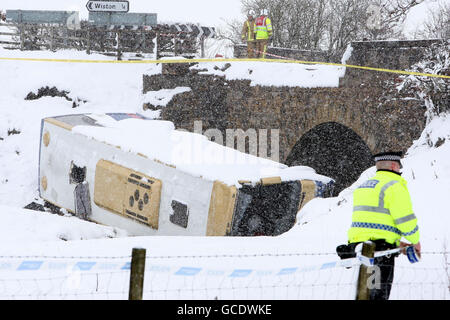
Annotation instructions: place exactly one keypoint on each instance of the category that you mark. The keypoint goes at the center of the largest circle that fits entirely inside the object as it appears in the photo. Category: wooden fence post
(143, 43)
(157, 47)
(137, 274)
(119, 52)
(88, 33)
(52, 35)
(22, 36)
(65, 36)
(363, 292)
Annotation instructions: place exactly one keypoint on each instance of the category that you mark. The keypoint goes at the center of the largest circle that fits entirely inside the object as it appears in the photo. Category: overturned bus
(143, 176)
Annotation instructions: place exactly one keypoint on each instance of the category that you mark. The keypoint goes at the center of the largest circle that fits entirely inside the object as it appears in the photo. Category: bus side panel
(222, 204)
(67, 150)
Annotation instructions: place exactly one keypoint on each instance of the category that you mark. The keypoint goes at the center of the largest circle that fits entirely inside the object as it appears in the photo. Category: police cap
(388, 156)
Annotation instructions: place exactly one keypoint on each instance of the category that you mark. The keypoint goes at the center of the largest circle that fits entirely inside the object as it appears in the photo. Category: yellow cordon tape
(232, 60)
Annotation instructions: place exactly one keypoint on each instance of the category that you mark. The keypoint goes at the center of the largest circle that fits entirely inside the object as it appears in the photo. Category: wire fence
(162, 40)
(269, 276)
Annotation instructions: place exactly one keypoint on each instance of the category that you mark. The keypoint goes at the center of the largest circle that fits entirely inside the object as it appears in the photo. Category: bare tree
(231, 31)
(438, 24)
(434, 92)
(306, 23)
(345, 21)
(332, 24)
(388, 16)
(350, 20)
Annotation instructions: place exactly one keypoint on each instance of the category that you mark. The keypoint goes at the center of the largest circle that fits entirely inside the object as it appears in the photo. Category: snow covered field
(50, 256)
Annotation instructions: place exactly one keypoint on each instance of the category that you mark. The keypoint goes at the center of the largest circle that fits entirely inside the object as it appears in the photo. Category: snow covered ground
(50, 256)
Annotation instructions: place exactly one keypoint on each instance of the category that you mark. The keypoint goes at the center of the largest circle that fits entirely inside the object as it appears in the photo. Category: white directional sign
(108, 6)
(200, 33)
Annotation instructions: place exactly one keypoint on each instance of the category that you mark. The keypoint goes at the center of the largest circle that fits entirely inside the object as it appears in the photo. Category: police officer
(383, 214)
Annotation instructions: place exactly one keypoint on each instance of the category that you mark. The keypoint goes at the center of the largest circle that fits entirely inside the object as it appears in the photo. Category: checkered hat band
(388, 158)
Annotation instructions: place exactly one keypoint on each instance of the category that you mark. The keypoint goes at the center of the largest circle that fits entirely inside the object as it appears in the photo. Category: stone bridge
(333, 130)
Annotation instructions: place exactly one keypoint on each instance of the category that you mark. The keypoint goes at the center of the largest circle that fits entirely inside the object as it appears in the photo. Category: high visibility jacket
(263, 28)
(382, 209)
(248, 31)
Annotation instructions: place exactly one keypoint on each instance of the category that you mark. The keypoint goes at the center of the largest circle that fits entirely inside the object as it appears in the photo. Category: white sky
(207, 12)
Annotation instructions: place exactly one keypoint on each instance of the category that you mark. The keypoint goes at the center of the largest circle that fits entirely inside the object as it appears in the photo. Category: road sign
(194, 30)
(200, 33)
(70, 18)
(108, 6)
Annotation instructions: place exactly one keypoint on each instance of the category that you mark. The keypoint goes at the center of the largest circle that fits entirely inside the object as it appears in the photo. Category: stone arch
(334, 150)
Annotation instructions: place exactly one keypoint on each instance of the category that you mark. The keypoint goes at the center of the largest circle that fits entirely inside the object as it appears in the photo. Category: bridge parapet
(393, 55)
(240, 51)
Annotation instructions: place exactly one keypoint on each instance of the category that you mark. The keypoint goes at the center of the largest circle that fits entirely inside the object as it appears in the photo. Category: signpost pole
(202, 46)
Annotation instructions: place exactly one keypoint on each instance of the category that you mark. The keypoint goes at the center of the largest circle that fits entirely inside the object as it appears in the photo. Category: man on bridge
(248, 33)
(264, 31)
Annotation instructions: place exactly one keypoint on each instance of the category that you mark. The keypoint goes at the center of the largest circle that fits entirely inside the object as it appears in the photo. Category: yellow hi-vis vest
(382, 209)
(263, 28)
